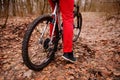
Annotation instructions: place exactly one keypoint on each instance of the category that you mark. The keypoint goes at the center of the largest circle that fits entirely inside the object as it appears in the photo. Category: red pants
(66, 8)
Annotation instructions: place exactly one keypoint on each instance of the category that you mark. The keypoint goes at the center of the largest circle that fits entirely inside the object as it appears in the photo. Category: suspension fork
(54, 22)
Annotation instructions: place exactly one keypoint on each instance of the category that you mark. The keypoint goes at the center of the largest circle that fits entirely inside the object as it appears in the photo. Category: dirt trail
(97, 52)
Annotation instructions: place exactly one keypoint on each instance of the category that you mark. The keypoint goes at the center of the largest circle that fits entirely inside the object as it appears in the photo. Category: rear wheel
(36, 51)
(77, 25)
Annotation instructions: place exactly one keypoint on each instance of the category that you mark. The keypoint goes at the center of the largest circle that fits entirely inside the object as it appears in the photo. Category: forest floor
(97, 51)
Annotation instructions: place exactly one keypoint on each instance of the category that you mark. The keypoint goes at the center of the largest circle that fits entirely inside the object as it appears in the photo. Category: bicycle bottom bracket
(46, 43)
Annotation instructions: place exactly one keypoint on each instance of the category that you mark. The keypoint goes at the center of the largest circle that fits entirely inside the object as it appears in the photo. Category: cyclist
(66, 8)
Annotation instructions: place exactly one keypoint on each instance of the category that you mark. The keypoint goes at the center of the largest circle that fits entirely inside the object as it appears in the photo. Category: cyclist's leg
(66, 7)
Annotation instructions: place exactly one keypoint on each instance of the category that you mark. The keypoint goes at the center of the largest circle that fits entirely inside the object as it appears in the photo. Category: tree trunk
(42, 11)
(29, 7)
(0, 8)
(14, 9)
(6, 12)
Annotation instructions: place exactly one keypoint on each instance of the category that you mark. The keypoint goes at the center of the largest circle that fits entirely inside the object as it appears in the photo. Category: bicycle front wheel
(36, 52)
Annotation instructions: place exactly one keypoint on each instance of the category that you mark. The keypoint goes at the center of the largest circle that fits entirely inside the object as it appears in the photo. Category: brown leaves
(71, 66)
(60, 77)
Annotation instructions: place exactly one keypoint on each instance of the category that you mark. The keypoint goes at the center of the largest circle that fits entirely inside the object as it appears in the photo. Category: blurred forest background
(38, 7)
(23, 8)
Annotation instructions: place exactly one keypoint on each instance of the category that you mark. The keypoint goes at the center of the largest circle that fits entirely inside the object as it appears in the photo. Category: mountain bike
(38, 48)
